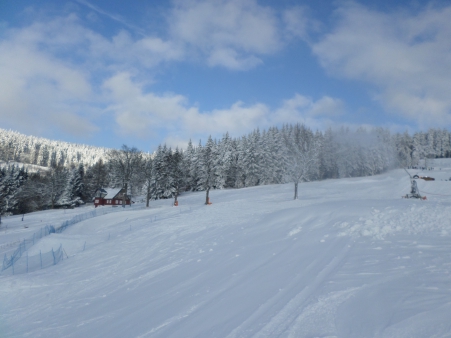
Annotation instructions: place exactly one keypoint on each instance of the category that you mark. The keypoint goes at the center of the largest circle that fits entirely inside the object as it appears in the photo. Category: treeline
(57, 187)
(293, 153)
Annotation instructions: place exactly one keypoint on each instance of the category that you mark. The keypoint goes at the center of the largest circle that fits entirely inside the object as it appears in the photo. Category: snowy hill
(17, 147)
(350, 258)
(31, 168)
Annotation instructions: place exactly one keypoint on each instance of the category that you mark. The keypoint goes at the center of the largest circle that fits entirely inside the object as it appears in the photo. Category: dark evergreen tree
(12, 178)
(149, 181)
(177, 174)
(207, 169)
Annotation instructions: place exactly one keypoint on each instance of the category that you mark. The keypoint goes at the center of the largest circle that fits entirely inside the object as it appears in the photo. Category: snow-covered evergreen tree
(72, 195)
(207, 168)
(149, 181)
(12, 178)
(251, 161)
(177, 173)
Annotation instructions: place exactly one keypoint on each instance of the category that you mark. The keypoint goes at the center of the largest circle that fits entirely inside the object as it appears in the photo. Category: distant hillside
(31, 168)
(43, 152)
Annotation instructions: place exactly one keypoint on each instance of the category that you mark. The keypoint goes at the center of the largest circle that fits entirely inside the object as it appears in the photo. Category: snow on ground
(350, 258)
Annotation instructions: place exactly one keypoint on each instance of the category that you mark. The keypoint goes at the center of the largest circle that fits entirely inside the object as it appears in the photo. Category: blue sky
(141, 73)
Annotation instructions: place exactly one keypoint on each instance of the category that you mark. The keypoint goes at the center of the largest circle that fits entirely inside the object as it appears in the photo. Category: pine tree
(149, 182)
(206, 168)
(12, 178)
(72, 196)
(177, 174)
(251, 160)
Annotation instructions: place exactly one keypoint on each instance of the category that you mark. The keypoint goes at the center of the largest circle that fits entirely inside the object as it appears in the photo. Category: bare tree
(96, 177)
(302, 154)
(56, 179)
(124, 164)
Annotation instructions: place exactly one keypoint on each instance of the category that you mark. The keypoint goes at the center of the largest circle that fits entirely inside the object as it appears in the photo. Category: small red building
(113, 197)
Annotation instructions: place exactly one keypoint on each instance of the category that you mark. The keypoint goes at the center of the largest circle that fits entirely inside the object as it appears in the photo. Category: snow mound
(415, 218)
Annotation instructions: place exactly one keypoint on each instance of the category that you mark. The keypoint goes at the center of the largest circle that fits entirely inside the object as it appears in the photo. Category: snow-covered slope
(350, 258)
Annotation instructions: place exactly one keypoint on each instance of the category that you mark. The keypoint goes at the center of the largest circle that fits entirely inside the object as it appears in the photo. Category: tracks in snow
(278, 315)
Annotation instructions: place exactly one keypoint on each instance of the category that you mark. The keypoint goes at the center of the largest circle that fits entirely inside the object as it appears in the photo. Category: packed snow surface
(349, 258)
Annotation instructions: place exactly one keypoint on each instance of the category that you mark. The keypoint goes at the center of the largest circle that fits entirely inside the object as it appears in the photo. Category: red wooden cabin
(113, 197)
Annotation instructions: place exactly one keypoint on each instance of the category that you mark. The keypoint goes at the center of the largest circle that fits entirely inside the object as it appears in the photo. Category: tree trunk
(296, 190)
(148, 196)
(124, 195)
(176, 203)
(207, 198)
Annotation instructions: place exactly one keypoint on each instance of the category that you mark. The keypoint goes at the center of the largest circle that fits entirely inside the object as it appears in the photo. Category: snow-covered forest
(293, 153)
(18, 147)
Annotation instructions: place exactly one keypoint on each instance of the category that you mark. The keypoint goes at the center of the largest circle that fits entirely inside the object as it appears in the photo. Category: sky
(144, 73)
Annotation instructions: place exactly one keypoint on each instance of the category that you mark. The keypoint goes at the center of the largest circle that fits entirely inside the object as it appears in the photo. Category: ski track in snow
(350, 258)
(285, 318)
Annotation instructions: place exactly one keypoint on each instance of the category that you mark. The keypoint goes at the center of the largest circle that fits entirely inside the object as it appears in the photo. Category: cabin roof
(111, 192)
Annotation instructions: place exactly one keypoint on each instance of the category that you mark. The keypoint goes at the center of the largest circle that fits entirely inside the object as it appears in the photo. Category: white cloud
(142, 114)
(49, 70)
(315, 114)
(229, 58)
(299, 23)
(230, 33)
(60, 75)
(38, 90)
(406, 56)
